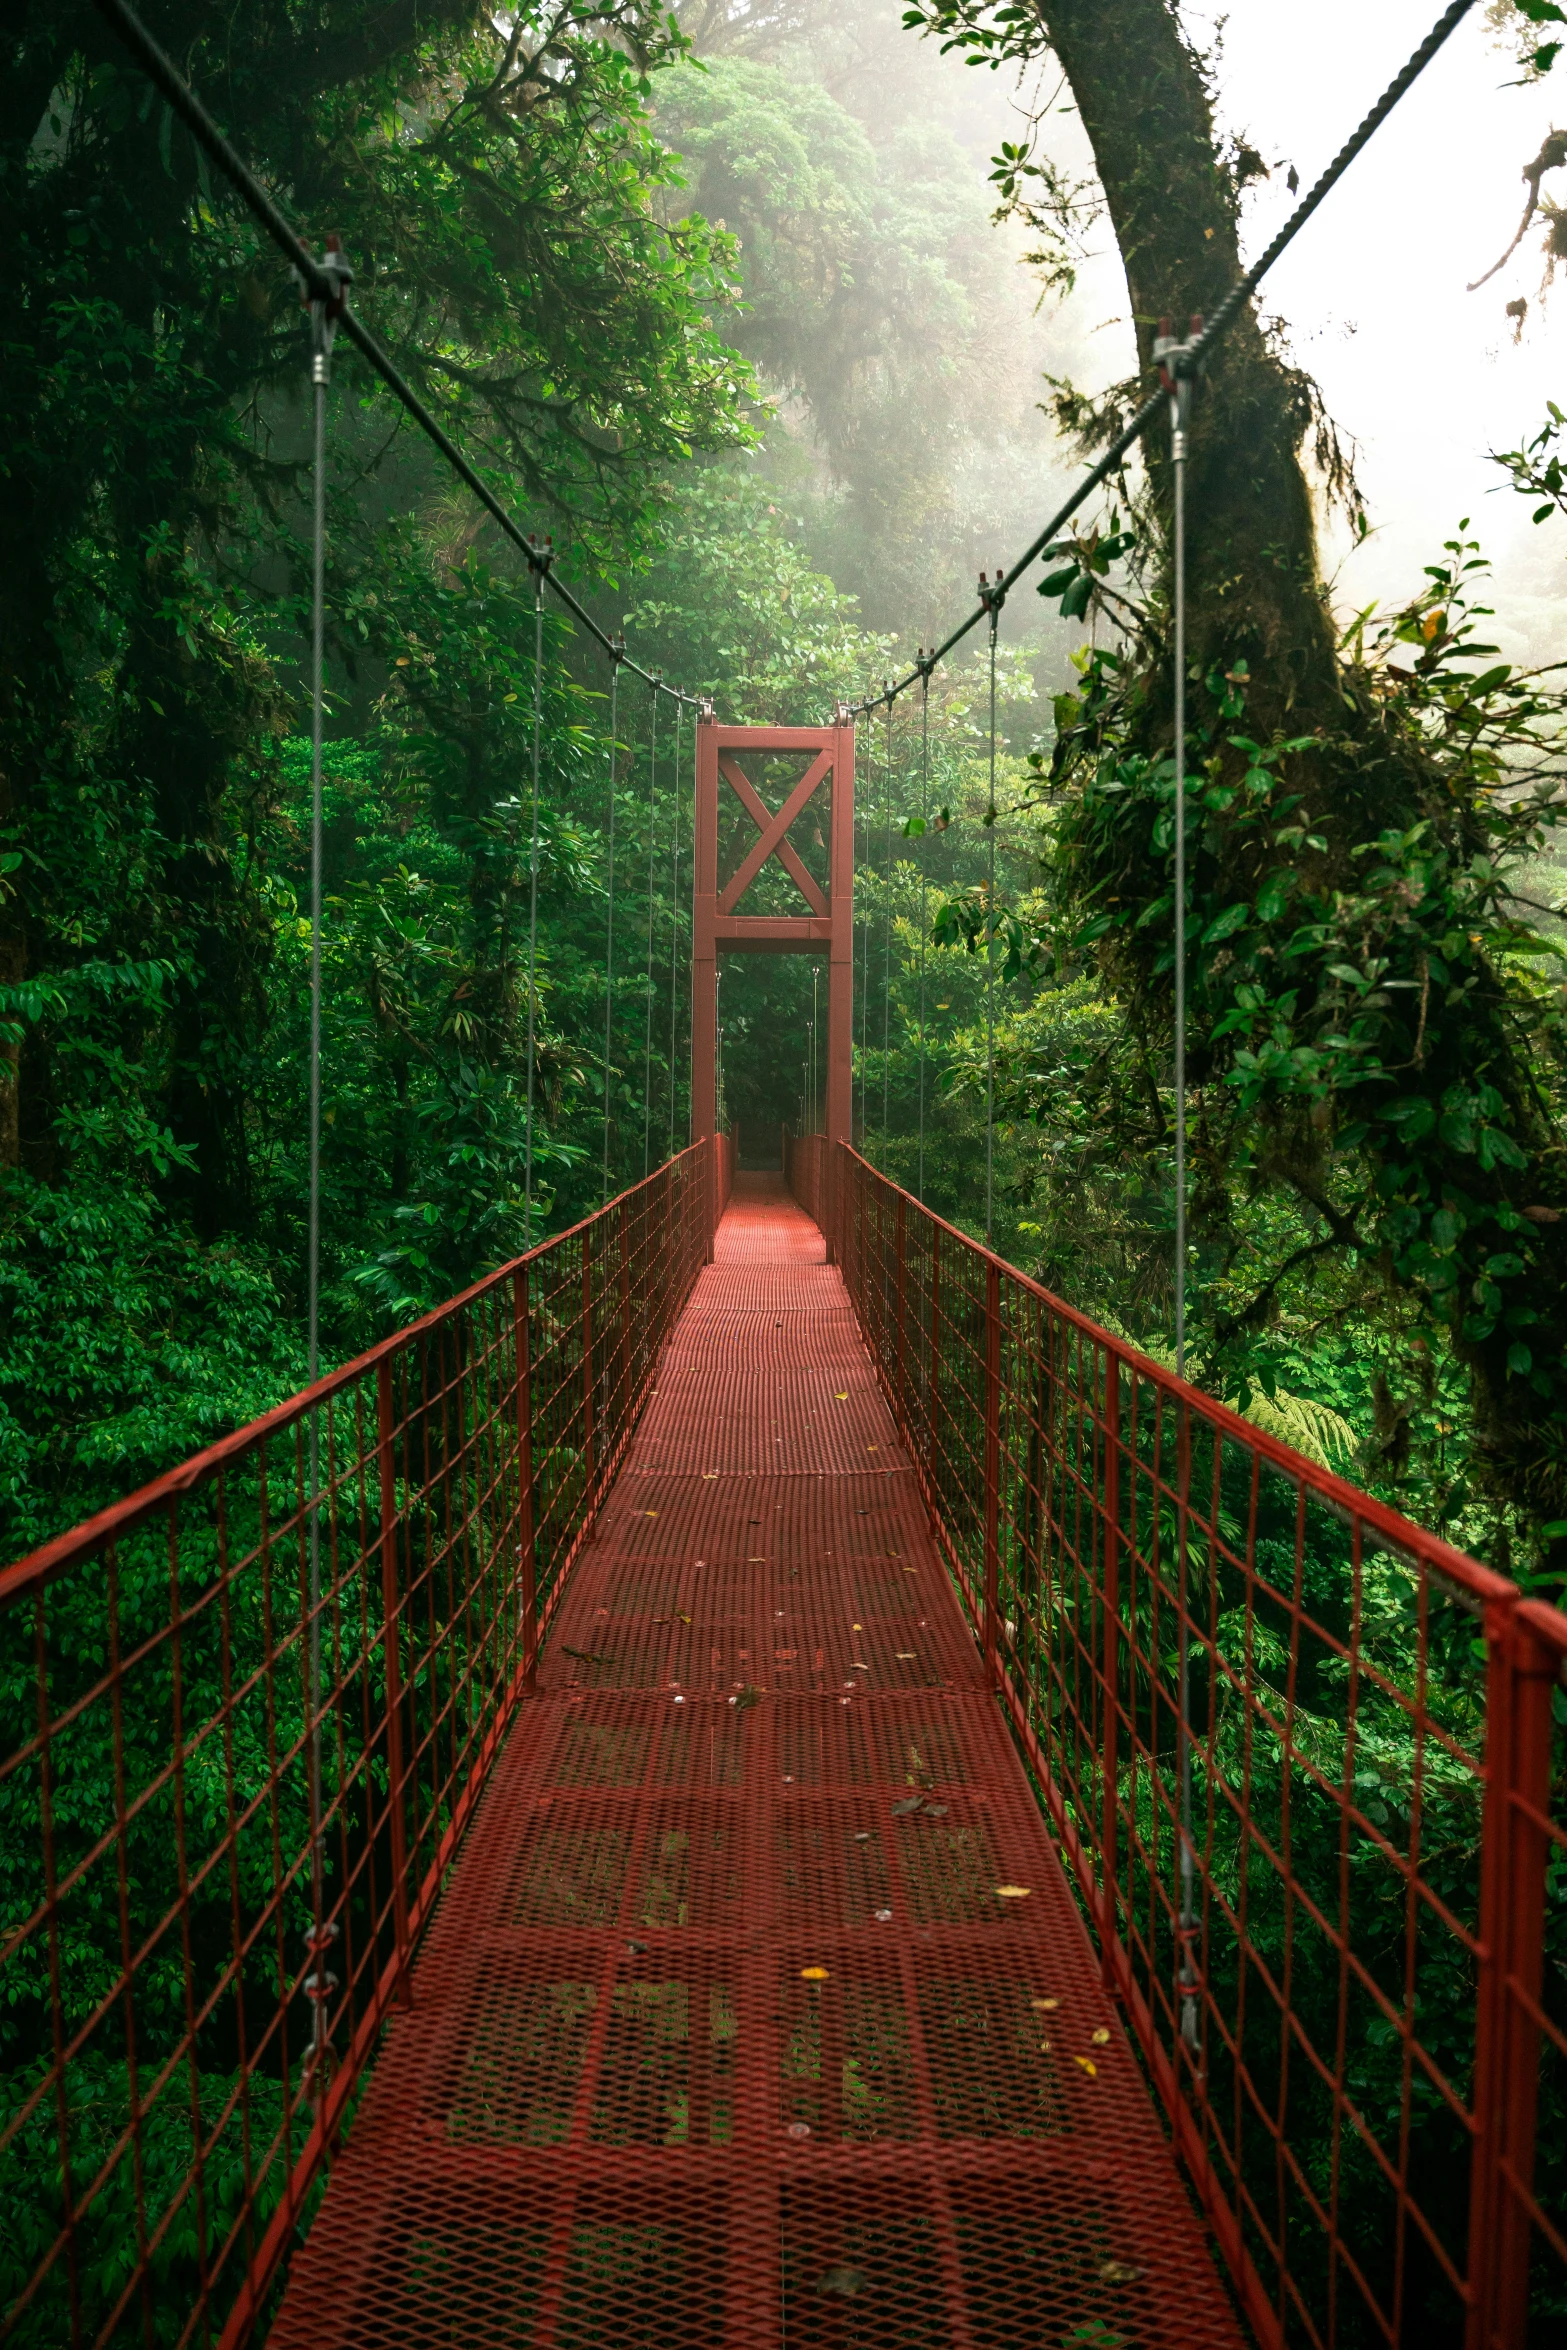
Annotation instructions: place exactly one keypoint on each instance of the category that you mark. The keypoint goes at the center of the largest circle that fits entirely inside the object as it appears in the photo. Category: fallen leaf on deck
(1014, 1892)
(905, 1656)
(1101, 2038)
(847, 2281)
(1088, 2065)
(813, 1974)
(585, 1656)
(1118, 2272)
(935, 1811)
(747, 1697)
(913, 1803)
(1044, 2003)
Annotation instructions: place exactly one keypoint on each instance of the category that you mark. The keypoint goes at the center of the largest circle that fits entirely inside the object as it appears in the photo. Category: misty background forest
(785, 322)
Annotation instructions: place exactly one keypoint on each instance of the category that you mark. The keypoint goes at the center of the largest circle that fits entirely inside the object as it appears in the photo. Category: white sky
(1424, 376)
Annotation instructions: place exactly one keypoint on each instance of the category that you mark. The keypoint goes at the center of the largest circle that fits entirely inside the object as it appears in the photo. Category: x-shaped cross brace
(773, 831)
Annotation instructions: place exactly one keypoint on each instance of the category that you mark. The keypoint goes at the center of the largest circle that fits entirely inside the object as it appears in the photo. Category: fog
(1421, 376)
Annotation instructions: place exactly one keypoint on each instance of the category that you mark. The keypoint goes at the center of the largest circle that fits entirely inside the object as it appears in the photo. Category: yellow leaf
(1101, 2038)
(1088, 2065)
(710, 1472)
(1432, 625)
(813, 1974)
(844, 1397)
(1014, 1892)
(1045, 2003)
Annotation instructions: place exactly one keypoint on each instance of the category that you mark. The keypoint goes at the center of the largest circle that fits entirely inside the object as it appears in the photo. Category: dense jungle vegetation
(686, 288)
(725, 302)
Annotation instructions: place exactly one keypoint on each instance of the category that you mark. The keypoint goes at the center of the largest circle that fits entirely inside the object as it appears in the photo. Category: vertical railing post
(392, 1667)
(527, 1530)
(899, 1363)
(715, 1205)
(1110, 1539)
(933, 1416)
(628, 1378)
(589, 1398)
(1521, 1677)
(992, 1468)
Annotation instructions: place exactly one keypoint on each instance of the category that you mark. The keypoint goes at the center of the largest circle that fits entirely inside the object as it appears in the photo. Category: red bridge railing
(1330, 1889)
(248, 1714)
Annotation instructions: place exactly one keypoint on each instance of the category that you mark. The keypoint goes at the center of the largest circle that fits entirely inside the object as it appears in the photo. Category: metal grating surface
(723, 2033)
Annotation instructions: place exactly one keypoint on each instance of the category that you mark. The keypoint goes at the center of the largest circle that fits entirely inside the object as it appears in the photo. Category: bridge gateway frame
(826, 925)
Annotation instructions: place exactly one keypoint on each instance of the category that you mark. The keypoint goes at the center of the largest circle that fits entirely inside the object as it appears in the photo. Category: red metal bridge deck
(757, 2008)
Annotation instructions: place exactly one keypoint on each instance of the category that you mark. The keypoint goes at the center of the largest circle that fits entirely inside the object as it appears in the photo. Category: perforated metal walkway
(757, 2009)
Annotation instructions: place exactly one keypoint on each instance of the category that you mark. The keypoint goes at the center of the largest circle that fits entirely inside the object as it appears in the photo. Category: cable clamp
(541, 554)
(617, 649)
(326, 310)
(992, 593)
(1174, 357)
(321, 1984)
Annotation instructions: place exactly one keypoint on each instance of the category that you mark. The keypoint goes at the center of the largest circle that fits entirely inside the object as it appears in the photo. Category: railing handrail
(1476, 1582)
(80, 1541)
(1090, 1573)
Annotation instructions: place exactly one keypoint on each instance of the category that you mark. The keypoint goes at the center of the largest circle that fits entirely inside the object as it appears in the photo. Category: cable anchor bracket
(325, 310)
(1177, 360)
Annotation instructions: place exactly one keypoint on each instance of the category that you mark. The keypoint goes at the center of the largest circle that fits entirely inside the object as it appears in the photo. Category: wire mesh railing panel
(249, 1712)
(1305, 1765)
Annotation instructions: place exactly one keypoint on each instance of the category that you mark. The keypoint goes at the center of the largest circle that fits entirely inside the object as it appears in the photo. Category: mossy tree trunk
(1254, 582)
(1482, 1242)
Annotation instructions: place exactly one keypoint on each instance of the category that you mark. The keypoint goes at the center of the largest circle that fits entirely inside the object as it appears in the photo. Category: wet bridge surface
(757, 2009)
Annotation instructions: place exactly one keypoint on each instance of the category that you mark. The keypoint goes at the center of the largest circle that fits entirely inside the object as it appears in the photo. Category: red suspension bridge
(757, 1779)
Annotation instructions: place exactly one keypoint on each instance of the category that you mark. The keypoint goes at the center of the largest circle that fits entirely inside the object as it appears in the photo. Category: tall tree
(1365, 1040)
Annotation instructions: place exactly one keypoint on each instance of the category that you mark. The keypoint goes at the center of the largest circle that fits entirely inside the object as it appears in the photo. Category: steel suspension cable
(1180, 411)
(609, 925)
(1216, 327)
(674, 937)
(919, 1189)
(320, 285)
(652, 827)
(319, 1984)
(864, 826)
(533, 899)
(886, 999)
(319, 369)
(161, 70)
(990, 949)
